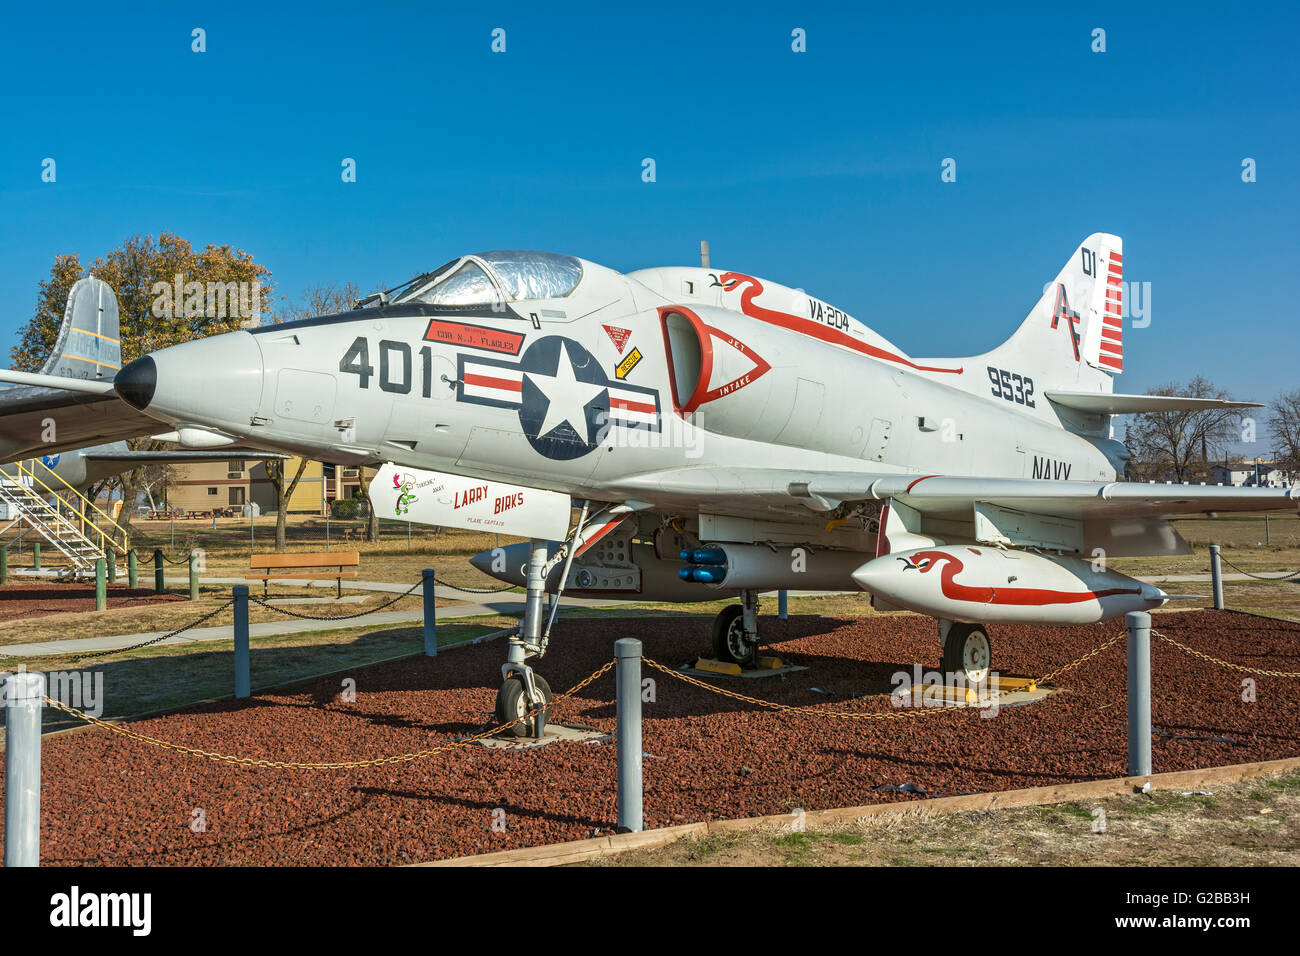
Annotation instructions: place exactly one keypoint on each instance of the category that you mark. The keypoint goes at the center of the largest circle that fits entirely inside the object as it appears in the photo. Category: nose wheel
(513, 701)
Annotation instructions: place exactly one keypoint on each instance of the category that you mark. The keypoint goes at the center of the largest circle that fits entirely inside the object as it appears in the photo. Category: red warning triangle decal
(616, 335)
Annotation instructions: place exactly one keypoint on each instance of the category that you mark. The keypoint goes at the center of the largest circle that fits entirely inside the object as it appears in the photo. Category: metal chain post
(627, 651)
(1139, 693)
(243, 680)
(24, 695)
(430, 614)
(1216, 576)
(101, 586)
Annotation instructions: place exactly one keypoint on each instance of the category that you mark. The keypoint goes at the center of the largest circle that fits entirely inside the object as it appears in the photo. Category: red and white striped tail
(1110, 355)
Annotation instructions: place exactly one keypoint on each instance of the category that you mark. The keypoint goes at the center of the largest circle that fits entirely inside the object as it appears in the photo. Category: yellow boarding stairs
(32, 495)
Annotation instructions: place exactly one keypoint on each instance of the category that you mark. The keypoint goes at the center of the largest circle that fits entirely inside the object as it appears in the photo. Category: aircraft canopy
(509, 274)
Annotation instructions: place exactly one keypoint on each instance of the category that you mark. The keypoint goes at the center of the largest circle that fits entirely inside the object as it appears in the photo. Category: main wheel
(967, 651)
(512, 703)
(730, 642)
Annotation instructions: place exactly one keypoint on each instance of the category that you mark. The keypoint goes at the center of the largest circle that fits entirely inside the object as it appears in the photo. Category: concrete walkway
(505, 604)
(1233, 576)
(502, 604)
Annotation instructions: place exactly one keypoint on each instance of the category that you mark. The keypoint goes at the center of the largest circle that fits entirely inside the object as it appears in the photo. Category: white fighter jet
(724, 435)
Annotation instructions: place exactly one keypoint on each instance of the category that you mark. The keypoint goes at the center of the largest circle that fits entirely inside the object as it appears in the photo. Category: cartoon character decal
(405, 496)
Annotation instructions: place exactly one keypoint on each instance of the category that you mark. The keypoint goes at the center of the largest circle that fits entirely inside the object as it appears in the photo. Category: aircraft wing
(36, 421)
(750, 491)
(132, 459)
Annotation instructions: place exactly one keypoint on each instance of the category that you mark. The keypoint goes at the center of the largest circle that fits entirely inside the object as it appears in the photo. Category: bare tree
(323, 298)
(1182, 444)
(1284, 422)
(283, 492)
(153, 479)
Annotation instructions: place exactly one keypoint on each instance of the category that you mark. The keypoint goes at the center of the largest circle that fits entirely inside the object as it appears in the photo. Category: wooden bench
(325, 564)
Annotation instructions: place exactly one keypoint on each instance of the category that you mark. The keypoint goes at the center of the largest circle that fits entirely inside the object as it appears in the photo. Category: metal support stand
(526, 642)
(243, 679)
(1139, 693)
(427, 588)
(782, 604)
(24, 696)
(628, 652)
(532, 623)
(36, 556)
(749, 620)
(1216, 575)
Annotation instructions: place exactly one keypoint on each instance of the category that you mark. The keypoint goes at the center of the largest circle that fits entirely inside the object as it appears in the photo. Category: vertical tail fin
(88, 345)
(1073, 336)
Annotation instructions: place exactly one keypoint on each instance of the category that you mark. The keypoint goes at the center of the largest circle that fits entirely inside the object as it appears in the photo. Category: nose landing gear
(522, 691)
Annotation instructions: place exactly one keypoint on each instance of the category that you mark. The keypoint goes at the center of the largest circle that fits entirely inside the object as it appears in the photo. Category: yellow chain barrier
(123, 731)
(925, 711)
(1222, 663)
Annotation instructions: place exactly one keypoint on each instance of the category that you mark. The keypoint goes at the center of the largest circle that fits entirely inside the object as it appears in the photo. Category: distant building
(231, 484)
(1253, 474)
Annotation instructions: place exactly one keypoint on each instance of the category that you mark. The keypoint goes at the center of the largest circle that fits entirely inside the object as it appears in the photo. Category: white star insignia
(566, 397)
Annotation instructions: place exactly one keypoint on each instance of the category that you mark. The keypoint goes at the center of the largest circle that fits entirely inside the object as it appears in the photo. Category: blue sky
(819, 169)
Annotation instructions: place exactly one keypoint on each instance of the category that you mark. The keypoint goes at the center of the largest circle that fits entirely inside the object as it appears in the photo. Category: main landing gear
(735, 631)
(967, 651)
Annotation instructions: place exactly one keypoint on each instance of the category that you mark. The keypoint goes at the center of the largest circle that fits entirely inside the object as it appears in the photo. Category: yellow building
(231, 484)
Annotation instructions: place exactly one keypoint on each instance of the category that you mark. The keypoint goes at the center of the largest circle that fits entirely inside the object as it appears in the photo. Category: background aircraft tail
(88, 345)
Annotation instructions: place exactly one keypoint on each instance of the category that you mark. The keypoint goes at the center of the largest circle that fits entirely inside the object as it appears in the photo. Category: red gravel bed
(108, 800)
(31, 599)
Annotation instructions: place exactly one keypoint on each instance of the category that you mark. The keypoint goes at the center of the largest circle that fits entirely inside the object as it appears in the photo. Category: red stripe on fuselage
(488, 381)
(1017, 597)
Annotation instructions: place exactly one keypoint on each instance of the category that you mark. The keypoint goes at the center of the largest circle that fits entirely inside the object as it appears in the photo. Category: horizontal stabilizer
(1109, 403)
(90, 386)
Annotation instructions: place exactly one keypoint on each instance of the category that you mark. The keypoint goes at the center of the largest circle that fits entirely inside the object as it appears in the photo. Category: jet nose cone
(136, 382)
(213, 383)
(483, 561)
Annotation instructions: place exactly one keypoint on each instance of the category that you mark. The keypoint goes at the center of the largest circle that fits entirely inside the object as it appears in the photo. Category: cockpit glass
(534, 275)
(468, 285)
